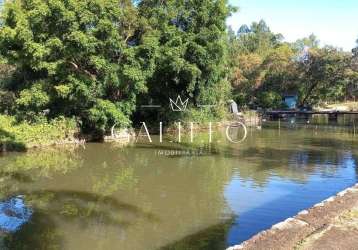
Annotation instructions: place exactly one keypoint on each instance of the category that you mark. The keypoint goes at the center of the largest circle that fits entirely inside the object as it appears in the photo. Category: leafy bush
(270, 99)
(103, 113)
(20, 136)
(34, 98)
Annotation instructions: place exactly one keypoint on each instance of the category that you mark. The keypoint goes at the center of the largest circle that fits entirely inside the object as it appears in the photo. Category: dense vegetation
(96, 61)
(18, 136)
(192, 54)
(75, 58)
(265, 68)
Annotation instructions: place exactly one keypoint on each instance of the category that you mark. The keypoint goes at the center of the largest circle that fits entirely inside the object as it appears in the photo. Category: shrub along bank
(20, 136)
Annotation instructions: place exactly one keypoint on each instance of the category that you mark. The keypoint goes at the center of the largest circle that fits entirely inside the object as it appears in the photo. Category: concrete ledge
(290, 233)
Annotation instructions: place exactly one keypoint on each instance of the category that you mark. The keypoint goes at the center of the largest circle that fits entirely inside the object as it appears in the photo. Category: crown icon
(178, 105)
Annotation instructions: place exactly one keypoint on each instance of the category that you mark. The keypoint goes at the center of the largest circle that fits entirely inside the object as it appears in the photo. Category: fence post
(279, 123)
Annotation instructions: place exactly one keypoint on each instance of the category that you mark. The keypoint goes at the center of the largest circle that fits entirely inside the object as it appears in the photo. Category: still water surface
(147, 197)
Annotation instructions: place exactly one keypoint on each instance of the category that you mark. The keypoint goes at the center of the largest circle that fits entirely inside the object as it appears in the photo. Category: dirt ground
(331, 224)
(342, 233)
(343, 106)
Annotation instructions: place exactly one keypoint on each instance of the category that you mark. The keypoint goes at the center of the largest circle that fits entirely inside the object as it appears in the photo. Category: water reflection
(104, 196)
(13, 214)
(213, 237)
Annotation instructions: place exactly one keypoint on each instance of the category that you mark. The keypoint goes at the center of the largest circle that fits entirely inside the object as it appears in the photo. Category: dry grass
(343, 106)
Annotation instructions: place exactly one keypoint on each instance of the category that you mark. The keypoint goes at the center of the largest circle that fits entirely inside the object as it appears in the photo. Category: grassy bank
(20, 136)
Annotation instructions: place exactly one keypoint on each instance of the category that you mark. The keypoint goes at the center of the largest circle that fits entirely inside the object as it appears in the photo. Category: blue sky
(334, 22)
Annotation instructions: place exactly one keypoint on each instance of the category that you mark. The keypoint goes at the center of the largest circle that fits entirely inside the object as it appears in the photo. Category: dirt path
(331, 224)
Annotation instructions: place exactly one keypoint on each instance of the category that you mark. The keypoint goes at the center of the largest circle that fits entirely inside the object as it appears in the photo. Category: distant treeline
(265, 68)
(99, 60)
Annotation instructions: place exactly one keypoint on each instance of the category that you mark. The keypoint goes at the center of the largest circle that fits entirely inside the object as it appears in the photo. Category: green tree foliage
(262, 67)
(265, 68)
(352, 90)
(307, 42)
(192, 57)
(97, 60)
(87, 58)
(247, 77)
(257, 38)
(280, 69)
(269, 99)
(324, 75)
(355, 50)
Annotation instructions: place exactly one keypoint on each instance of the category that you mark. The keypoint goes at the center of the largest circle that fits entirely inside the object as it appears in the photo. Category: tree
(192, 54)
(281, 70)
(247, 77)
(257, 38)
(83, 58)
(310, 42)
(264, 68)
(355, 57)
(262, 63)
(324, 75)
(353, 86)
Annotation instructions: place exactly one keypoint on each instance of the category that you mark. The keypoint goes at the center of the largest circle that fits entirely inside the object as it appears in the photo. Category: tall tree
(257, 38)
(324, 75)
(262, 63)
(78, 57)
(355, 57)
(353, 86)
(192, 54)
(281, 69)
(310, 42)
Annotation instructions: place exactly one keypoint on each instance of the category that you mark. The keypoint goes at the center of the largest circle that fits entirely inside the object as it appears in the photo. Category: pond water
(169, 195)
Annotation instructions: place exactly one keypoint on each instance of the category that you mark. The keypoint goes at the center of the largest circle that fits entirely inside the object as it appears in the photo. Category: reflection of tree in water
(39, 233)
(44, 162)
(293, 156)
(188, 190)
(213, 237)
(264, 156)
(21, 172)
(295, 165)
(85, 209)
(110, 183)
(176, 196)
(19, 169)
(355, 160)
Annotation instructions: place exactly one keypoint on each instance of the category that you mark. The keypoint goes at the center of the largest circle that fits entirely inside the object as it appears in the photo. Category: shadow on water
(80, 205)
(83, 208)
(211, 238)
(20, 175)
(16, 176)
(39, 233)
